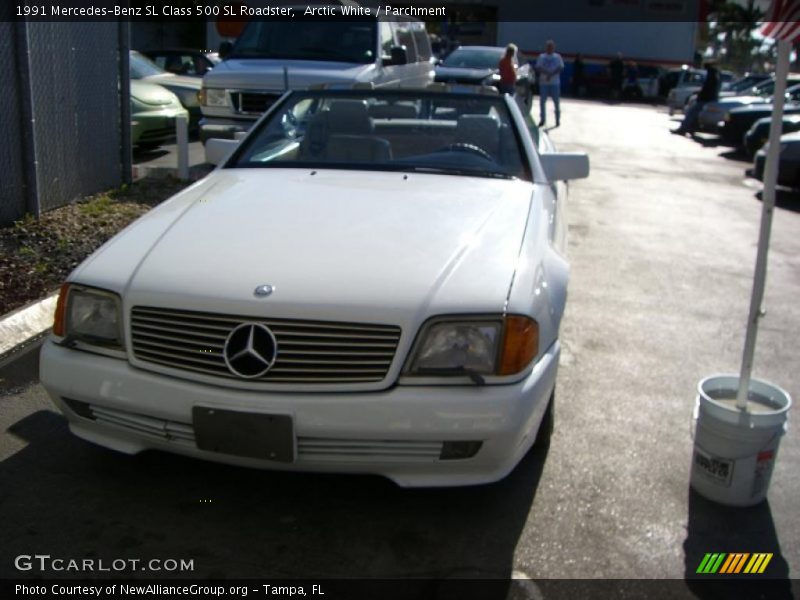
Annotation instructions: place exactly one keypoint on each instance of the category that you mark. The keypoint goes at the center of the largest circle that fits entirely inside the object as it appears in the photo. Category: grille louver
(308, 351)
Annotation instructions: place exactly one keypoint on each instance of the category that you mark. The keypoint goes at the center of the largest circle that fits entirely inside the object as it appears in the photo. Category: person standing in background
(708, 93)
(549, 66)
(631, 88)
(616, 69)
(508, 70)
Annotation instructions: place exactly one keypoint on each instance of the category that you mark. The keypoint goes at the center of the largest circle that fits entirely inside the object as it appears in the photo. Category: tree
(731, 28)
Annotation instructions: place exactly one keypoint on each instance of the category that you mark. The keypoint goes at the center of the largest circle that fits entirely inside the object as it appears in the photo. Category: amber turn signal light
(61, 310)
(520, 344)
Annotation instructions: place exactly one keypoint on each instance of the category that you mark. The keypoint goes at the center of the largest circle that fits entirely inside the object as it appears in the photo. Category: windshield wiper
(452, 171)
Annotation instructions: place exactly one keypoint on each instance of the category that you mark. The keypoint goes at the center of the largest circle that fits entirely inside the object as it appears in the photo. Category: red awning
(784, 21)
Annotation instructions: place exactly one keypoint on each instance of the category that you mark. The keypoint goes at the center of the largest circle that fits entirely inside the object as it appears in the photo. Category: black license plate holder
(247, 434)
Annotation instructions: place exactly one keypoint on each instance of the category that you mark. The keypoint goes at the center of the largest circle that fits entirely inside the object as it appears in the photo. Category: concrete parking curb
(22, 327)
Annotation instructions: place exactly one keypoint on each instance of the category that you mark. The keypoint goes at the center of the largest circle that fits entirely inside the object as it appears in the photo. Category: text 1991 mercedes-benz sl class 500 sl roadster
(369, 282)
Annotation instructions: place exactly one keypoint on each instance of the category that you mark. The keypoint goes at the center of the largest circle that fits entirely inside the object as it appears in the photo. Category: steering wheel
(464, 147)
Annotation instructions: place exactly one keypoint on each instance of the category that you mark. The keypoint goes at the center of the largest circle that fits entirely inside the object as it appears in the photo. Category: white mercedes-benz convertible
(369, 282)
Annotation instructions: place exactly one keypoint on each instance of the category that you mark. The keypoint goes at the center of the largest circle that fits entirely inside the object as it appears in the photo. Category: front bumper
(732, 132)
(709, 122)
(788, 171)
(397, 432)
(156, 126)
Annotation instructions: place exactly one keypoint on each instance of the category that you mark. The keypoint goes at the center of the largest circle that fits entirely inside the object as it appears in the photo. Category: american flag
(784, 21)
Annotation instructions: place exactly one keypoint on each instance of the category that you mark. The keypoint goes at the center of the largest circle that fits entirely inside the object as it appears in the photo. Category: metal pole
(767, 208)
(182, 135)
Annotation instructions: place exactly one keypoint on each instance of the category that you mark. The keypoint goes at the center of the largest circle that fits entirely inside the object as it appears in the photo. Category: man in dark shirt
(708, 93)
(616, 69)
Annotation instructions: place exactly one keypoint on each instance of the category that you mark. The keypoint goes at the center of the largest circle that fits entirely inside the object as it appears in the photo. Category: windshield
(765, 88)
(398, 131)
(141, 66)
(474, 58)
(342, 41)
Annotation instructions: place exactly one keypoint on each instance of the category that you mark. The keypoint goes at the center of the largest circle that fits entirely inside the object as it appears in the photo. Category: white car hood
(265, 74)
(172, 80)
(341, 245)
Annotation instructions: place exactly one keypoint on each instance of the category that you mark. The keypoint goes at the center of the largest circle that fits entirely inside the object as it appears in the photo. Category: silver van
(270, 57)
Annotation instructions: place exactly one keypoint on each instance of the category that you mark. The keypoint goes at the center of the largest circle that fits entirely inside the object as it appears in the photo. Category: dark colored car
(788, 161)
(746, 84)
(739, 120)
(184, 61)
(477, 65)
(758, 134)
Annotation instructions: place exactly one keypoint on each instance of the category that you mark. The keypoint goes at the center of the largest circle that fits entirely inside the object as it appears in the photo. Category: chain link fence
(61, 114)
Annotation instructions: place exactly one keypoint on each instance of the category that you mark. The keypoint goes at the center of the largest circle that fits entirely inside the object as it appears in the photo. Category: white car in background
(714, 113)
(690, 82)
(372, 282)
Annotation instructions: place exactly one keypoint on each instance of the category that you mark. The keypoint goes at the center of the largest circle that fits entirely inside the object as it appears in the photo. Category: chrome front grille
(253, 103)
(308, 351)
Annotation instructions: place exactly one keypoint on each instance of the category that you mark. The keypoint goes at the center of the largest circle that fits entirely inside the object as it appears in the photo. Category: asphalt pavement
(662, 241)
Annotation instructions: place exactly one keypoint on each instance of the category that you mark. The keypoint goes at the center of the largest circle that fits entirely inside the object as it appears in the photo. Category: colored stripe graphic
(758, 563)
(727, 564)
(734, 563)
(711, 562)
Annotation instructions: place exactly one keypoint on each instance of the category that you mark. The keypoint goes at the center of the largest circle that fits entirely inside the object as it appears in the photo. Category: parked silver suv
(270, 57)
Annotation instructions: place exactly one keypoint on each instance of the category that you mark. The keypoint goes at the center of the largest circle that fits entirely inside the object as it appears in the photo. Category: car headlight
(213, 97)
(475, 346)
(89, 315)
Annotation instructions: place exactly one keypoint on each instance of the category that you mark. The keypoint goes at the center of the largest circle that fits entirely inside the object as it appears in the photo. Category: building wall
(662, 43)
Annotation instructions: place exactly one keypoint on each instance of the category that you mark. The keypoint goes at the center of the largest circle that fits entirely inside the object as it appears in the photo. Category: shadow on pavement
(141, 155)
(68, 498)
(736, 154)
(714, 528)
(784, 198)
(21, 373)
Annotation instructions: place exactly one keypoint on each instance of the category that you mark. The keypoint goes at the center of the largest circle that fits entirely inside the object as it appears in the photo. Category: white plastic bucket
(735, 451)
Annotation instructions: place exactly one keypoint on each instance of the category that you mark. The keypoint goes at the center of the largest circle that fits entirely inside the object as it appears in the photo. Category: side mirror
(218, 150)
(564, 166)
(225, 49)
(399, 56)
